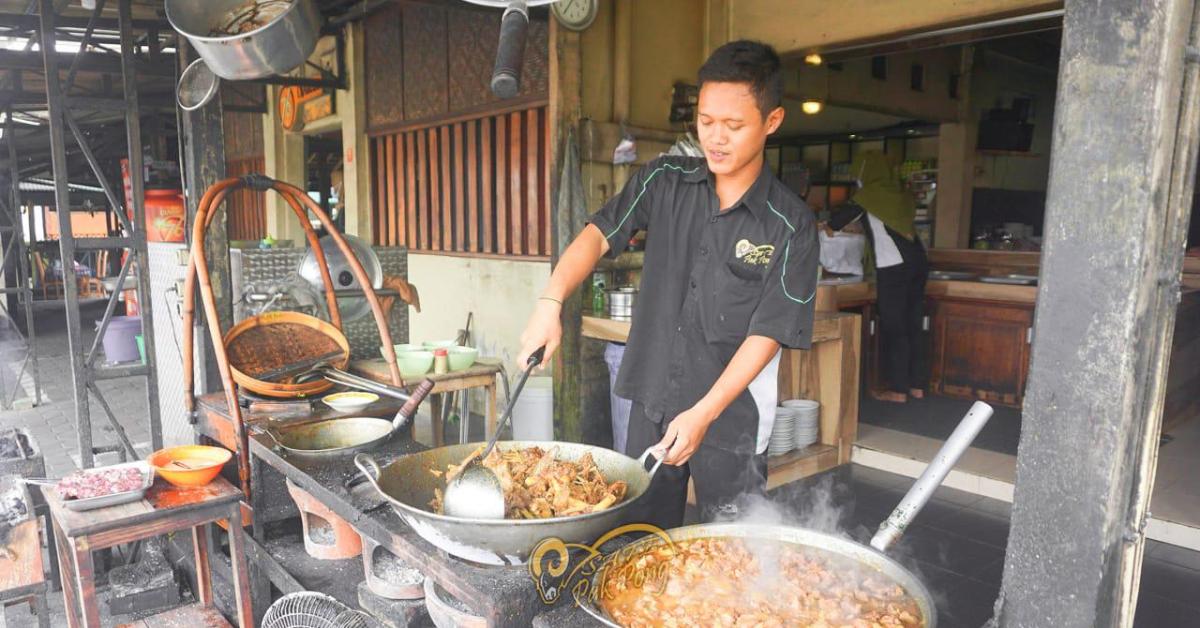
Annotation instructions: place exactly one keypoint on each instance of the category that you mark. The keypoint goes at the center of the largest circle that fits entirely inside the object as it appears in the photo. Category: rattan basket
(276, 339)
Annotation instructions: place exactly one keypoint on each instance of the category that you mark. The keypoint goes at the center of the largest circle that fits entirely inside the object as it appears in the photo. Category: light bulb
(811, 107)
(813, 59)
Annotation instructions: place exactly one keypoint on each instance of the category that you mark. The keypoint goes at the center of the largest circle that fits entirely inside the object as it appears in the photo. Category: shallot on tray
(100, 482)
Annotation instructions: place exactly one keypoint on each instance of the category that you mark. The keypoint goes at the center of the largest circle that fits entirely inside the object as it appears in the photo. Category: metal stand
(84, 371)
(10, 229)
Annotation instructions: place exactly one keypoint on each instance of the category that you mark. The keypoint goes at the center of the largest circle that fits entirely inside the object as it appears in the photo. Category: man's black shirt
(710, 279)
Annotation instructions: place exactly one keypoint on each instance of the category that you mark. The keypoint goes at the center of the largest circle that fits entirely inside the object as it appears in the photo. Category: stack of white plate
(783, 434)
(806, 425)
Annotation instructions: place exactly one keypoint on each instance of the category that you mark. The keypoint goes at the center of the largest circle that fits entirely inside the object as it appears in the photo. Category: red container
(166, 219)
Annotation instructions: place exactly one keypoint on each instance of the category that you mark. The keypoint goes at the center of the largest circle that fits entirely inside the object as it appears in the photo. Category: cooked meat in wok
(539, 486)
(736, 582)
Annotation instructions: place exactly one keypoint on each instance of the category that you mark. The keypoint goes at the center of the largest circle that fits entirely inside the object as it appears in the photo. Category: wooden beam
(89, 62)
(861, 21)
(1120, 194)
(568, 211)
(30, 22)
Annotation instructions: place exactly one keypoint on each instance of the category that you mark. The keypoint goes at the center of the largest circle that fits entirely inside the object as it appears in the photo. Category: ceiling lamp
(811, 106)
(813, 59)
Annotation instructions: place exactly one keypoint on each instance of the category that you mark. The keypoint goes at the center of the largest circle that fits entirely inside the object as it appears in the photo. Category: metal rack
(85, 372)
(10, 227)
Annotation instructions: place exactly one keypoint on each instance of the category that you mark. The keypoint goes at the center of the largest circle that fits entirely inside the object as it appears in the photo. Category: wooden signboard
(300, 106)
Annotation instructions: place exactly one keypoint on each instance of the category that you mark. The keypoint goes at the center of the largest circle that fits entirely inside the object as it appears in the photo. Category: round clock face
(575, 14)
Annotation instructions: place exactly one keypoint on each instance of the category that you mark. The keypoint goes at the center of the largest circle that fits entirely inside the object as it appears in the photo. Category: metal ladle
(475, 493)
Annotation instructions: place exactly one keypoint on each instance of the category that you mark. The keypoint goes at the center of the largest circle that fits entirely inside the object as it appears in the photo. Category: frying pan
(869, 557)
(344, 436)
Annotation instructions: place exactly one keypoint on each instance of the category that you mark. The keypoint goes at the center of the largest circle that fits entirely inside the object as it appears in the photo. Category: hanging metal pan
(269, 37)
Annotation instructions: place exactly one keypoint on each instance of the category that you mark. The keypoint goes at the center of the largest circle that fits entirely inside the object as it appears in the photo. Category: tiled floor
(1177, 481)
(53, 422)
(956, 545)
(936, 417)
(1174, 504)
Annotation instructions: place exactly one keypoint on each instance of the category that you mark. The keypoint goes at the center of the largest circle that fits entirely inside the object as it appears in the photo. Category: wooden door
(981, 350)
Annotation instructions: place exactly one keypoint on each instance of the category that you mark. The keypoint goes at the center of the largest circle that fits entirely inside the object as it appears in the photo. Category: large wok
(408, 485)
(863, 555)
(866, 556)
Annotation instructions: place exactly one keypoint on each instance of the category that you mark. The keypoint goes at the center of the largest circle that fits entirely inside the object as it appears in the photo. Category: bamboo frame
(207, 210)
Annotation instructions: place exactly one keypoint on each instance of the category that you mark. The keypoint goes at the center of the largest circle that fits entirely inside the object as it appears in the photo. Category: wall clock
(575, 14)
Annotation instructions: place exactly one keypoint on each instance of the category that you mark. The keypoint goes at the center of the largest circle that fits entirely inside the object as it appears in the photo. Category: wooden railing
(474, 185)
(245, 209)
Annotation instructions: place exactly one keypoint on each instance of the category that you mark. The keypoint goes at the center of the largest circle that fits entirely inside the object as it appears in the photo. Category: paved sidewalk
(53, 421)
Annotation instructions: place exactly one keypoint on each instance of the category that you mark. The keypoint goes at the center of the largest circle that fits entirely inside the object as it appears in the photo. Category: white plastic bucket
(533, 414)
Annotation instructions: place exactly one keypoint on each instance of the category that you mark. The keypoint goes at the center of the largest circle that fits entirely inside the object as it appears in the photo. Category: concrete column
(1121, 182)
(352, 107)
(956, 173)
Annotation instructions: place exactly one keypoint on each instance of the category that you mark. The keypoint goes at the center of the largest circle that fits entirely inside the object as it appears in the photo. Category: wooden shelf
(1006, 153)
(800, 463)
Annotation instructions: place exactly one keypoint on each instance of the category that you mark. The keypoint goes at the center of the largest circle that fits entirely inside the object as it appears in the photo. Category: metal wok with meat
(410, 486)
(767, 581)
(742, 574)
(539, 484)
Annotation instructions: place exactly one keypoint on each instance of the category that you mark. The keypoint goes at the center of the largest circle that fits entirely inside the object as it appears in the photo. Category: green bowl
(461, 357)
(402, 348)
(440, 344)
(413, 363)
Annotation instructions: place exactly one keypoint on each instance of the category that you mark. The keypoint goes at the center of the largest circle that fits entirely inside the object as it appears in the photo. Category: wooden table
(164, 509)
(482, 374)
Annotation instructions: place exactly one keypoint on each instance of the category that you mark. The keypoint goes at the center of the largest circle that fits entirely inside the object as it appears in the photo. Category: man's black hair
(749, 62)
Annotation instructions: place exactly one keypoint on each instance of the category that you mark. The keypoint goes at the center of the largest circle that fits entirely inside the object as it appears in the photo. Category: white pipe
(945, 459)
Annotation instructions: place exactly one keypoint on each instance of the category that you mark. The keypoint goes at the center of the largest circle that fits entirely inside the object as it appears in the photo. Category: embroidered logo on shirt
(753, 254)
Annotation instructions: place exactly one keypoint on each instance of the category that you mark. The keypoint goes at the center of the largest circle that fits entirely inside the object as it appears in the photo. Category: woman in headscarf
(885, 211)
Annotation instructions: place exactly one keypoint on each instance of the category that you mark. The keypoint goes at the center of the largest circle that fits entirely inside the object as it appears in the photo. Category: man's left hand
(684, 435)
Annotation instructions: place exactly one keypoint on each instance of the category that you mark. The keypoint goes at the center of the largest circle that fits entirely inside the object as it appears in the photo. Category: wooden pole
(568, 213)
(1125, 138)
(203, 139)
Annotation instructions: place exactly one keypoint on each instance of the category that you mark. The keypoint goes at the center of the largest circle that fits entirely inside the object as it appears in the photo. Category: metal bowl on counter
(621, 302)
(408, 485)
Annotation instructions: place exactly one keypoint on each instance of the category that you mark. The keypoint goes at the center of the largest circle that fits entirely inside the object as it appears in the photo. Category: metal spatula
(475, 493)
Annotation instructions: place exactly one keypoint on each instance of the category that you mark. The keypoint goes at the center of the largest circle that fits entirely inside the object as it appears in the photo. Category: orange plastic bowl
(189, 465)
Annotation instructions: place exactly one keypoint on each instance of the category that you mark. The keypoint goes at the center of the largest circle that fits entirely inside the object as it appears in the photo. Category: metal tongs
(342, 378)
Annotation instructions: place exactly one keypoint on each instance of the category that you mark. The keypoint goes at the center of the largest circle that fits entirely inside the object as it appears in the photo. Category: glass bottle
(441, 361)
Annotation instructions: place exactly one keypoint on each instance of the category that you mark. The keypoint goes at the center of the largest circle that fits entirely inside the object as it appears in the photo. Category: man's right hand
(544, 328)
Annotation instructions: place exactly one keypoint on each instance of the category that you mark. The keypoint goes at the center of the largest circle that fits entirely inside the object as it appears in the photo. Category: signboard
(300, 106)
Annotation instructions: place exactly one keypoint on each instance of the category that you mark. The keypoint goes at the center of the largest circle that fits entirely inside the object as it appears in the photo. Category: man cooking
(729, 276)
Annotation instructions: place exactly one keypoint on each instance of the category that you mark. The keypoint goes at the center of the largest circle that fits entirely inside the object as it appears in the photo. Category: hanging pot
(278, 46)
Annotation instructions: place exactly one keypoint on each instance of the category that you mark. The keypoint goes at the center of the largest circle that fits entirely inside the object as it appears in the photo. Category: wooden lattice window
(471, 185)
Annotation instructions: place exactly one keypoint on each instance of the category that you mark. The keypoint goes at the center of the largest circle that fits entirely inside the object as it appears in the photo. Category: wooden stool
(165, 509)
(22, 577)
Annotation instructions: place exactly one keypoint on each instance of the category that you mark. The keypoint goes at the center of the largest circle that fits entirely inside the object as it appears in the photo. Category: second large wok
(408, 485)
